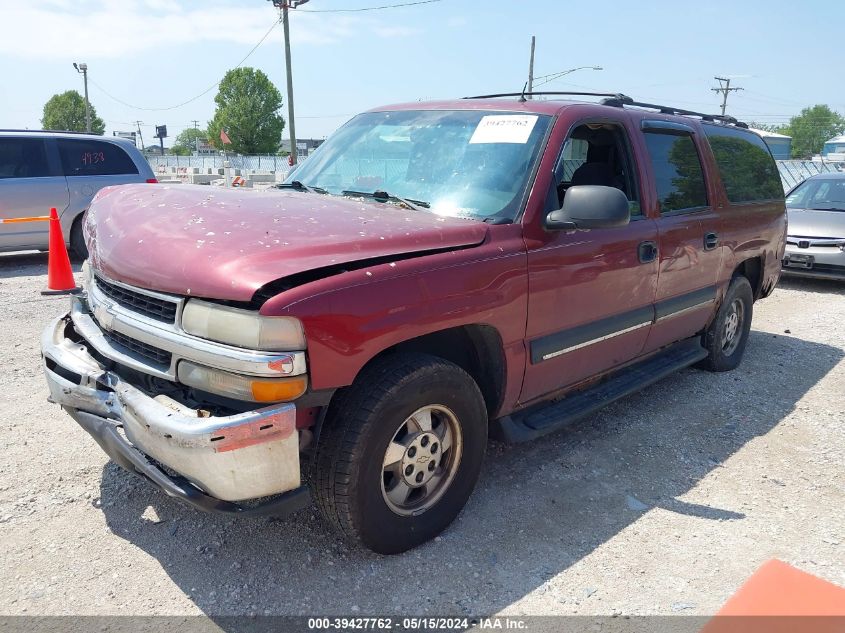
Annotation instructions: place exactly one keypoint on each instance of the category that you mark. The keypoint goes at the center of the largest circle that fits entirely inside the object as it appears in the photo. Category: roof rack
(50, 132)
(624, 100)
(523, 94)
(619, 100)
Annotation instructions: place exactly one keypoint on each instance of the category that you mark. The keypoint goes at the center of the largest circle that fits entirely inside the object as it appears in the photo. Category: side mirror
(590, 207)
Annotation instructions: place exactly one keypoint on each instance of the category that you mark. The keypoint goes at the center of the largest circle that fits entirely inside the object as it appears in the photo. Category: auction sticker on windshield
(504, 128)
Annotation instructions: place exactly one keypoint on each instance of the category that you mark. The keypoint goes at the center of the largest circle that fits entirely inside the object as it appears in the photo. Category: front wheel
(400, 452)
(727, 336)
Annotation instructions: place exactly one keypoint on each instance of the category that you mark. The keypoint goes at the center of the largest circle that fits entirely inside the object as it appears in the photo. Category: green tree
(248, 107)
(66, 111)
(186, 141)
(810, 129)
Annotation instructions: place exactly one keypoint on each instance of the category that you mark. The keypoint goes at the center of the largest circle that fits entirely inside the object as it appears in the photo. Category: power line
(386, 6)
(327, 116)
(776, 100)
(192, 99)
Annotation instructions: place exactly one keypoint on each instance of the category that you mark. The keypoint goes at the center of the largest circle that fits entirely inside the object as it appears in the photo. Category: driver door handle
(647, 251)
(711, 241)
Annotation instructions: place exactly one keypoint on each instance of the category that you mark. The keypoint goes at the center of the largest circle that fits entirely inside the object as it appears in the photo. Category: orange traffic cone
(59, 274)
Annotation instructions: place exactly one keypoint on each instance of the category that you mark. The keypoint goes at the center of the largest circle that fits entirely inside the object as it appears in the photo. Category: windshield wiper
(383, 196)
(300, 186)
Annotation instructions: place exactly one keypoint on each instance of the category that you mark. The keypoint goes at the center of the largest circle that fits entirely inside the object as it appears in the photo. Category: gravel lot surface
(663, 503)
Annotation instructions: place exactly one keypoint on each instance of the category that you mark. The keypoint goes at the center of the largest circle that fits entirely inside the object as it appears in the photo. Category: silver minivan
(42, 169)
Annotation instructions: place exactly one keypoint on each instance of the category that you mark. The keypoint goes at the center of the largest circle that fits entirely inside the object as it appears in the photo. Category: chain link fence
(255, 163)
(792, 172)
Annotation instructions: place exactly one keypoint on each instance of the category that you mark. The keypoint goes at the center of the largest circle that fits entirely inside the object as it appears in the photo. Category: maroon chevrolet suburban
(434, 274)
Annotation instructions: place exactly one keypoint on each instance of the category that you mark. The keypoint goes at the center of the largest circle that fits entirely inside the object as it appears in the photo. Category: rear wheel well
(477, 349)
(752, 270)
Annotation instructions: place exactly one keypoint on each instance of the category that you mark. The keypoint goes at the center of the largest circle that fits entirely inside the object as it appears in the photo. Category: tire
(734, 316)
(362, 497)
(77, 240)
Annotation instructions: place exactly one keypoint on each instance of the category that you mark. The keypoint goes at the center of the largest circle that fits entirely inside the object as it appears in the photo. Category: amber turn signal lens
(240, 387)
(278, 390)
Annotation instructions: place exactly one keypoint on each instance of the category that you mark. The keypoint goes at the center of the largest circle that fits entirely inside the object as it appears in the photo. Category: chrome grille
(158, 356)
(150, 352)
(152, 307)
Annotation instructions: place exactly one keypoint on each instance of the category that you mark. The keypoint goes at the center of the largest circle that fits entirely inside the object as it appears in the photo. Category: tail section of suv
(41, 170)
(435, 273)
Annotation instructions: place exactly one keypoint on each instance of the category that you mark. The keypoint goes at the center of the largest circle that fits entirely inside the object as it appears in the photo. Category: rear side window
(93, 158)
(748, 170)
(677, 171)
(23, 158)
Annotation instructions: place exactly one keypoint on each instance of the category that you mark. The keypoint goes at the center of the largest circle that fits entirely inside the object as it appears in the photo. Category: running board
(524, 426)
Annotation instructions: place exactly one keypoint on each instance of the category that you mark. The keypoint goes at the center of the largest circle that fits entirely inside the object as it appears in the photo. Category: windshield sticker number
(511, 128)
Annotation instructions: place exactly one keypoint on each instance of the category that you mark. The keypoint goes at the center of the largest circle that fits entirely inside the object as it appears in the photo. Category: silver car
(815, 243)
(40, 170)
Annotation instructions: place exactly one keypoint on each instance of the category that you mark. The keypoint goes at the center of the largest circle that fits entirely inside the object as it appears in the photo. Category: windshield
(467, 163)
(826, 194)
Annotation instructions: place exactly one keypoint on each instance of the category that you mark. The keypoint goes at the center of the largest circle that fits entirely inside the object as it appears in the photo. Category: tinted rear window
(23, 158)
(94, 158)
(677, 171)
(748, 170)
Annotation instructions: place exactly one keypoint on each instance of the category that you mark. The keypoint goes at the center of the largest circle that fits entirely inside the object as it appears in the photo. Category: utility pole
(284, 5)
(724, 88)
(140, 136)
(196, 124)
(531, 69)
(83, 68)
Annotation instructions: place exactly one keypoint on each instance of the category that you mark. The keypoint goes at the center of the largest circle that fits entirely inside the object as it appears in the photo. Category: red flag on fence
(225, 137)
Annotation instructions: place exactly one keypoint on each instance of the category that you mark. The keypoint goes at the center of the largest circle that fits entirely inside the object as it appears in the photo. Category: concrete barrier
(197, 176)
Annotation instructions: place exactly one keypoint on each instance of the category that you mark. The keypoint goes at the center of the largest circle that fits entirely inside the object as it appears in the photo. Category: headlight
(242, 328)
(241, 387)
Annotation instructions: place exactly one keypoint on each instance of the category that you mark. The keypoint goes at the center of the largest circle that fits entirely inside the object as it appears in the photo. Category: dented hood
(225, 244)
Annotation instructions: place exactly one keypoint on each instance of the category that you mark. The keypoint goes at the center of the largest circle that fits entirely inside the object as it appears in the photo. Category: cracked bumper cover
(218, 460)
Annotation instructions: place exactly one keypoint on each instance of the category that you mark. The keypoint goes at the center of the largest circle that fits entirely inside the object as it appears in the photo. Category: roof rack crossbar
(619, 100)
(722, 118)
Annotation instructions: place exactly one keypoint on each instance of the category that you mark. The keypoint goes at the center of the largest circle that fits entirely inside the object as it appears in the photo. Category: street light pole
(284, 5)
(83, 68)
(547, 78)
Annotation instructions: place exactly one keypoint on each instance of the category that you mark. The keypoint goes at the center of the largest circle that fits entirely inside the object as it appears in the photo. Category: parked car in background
(43, 169)
(815, 244)
(434, 273)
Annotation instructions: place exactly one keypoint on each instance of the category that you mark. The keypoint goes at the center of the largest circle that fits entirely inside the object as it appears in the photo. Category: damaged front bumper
(217, 461)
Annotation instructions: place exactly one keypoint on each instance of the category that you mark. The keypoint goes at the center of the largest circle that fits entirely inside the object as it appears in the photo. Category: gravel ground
(664, 503)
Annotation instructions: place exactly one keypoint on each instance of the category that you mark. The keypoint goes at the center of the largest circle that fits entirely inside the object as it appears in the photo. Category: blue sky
(158, 53)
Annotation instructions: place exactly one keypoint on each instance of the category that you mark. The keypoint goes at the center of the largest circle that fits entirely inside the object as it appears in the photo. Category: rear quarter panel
(747, 230)
(754, 230)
